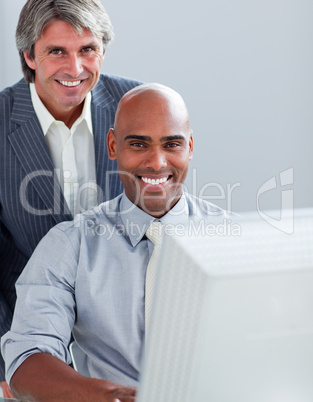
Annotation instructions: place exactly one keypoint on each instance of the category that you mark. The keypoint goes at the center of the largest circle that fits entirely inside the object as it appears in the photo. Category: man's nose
(156, 159)
(74, 65)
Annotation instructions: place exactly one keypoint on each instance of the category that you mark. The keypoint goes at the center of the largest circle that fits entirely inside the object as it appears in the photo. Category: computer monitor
(233, 316)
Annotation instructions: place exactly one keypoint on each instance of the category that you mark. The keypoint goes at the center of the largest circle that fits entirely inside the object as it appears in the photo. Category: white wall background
(244, 68)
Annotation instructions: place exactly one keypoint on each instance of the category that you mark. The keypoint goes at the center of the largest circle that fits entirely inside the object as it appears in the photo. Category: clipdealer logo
(286, 222)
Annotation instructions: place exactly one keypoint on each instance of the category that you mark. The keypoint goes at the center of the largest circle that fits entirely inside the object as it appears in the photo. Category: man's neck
(68, 116)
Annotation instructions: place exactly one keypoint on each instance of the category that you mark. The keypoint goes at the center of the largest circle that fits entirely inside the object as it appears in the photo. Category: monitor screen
(232, 318)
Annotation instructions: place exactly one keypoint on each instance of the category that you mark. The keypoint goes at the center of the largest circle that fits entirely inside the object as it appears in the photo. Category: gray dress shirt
(88, 276)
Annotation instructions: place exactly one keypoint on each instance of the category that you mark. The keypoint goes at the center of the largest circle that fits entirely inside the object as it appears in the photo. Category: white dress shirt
(72, 152)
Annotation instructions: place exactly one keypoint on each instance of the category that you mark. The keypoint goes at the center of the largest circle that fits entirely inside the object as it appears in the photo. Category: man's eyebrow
(54, 47)
(149, 139)
(138, 137)
(173, 138)
(92, 44)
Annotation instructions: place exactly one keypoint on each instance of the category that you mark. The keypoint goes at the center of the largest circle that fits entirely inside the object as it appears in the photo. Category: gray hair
(36, 15)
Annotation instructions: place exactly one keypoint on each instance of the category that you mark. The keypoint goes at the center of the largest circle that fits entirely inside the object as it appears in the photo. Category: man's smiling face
(153, 145)
(67, 66)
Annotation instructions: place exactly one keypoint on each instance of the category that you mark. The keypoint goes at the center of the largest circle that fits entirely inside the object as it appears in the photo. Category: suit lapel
(103, 109)
(30, 147)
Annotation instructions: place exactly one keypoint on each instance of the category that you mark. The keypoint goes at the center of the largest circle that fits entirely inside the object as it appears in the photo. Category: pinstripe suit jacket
(31, 199)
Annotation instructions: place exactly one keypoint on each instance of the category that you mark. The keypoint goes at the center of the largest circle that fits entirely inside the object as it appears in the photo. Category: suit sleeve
(5, 323)
(10, 261)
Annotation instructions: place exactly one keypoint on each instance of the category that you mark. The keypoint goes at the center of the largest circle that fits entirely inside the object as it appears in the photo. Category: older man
(92, 281)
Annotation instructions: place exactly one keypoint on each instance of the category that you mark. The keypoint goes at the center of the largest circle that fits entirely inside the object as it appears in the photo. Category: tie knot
(154, 232)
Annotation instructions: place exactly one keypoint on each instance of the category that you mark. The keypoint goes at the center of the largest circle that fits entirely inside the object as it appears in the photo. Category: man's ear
(111, 144)
(30, 62)
(190, 145)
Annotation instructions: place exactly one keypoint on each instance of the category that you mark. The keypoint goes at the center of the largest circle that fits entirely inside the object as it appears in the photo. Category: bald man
(92, 281)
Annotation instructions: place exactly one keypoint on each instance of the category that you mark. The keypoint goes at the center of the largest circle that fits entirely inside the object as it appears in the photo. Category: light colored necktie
(153, 233)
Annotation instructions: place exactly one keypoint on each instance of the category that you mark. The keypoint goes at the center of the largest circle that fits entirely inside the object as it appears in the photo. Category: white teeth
(153, 181)
(70, 83)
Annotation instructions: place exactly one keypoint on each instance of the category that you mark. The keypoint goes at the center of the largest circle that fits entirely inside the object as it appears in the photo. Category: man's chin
(158, 208)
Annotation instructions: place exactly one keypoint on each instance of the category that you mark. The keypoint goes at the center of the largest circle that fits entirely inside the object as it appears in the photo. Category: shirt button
(66, 174)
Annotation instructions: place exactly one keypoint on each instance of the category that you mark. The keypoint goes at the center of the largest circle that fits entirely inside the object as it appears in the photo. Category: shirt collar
(136, 221)
(45, 117)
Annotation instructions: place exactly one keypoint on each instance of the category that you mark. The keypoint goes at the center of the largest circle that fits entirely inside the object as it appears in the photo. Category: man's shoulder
(15, 97)
(201, 208)
(11, 91)
(116, 81)
(15, 106)
(107, 212)
(115, 85)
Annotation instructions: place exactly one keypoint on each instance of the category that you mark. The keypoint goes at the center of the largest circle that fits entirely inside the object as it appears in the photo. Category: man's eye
(56, 51)
(87, 49)
(172, 145)
(137, 144)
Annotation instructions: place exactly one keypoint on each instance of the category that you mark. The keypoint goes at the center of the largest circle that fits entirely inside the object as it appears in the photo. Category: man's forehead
(152, 110)
(60, 28)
